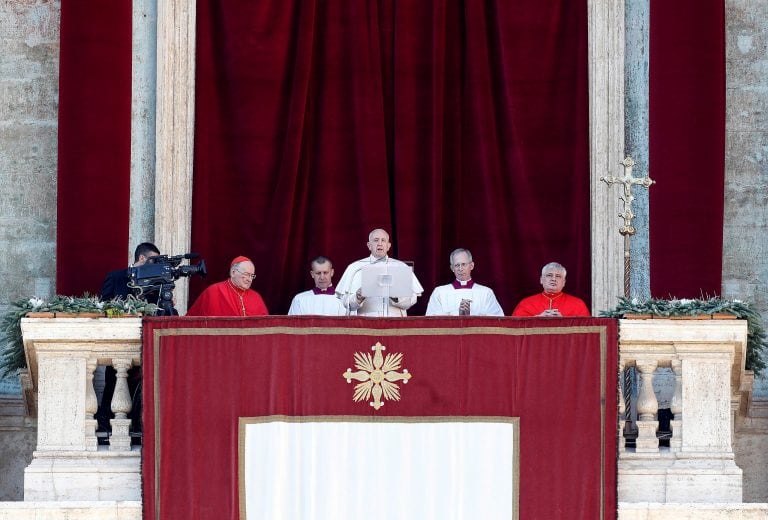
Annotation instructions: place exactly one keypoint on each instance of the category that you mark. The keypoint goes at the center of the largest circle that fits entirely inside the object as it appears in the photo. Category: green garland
(11, 342)
(12, 346)
(757, 341)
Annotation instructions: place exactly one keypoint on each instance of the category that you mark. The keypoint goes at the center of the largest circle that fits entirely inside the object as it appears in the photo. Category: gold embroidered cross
(378, 375)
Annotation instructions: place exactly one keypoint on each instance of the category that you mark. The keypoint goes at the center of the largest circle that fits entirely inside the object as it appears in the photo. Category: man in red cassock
(552, 301)
(233, 296)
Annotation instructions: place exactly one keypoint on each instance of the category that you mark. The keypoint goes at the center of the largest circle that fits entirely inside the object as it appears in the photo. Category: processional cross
(627, 229)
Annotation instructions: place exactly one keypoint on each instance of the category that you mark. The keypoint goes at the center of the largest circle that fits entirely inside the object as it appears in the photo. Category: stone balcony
(696, 476)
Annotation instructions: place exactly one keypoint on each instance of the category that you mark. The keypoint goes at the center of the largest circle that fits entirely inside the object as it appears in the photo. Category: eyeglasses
(461, 265)
(247, 275)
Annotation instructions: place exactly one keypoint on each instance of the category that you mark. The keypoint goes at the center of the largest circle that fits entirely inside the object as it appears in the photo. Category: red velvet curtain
(447, 123)
(94, 158)
(687, 146)
(558, 376)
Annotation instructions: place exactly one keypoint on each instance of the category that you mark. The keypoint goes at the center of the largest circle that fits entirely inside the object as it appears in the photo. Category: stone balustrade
(697, 469)
(707, 361)
(68, 463)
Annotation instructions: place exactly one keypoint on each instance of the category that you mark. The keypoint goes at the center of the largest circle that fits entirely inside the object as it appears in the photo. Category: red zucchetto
(239, 259)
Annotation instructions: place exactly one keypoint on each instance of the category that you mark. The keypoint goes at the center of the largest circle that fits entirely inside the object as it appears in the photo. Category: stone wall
(29, 86)
(751, 449)
(745, 234)
(18, 436)
(745, 243)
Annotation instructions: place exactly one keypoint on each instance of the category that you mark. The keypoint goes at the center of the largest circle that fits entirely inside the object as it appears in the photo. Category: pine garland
(757, 341)
(11, 342)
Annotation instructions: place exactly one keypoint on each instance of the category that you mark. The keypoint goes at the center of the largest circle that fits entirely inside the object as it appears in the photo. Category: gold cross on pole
(627, 229)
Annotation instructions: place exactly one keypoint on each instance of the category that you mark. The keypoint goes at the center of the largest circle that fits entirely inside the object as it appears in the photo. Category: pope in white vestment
(463, 297)
(321, 300)
(349, 288)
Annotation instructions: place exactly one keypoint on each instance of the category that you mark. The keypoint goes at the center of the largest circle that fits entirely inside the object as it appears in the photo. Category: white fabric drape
(379, 470)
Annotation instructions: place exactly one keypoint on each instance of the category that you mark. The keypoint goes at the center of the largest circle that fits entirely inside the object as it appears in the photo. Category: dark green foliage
(11, 343)
(757, 342)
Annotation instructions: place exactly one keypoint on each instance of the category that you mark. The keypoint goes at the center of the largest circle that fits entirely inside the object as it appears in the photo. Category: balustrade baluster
(647, 408)
(622, 408)
(91, 405)
(676, 407)
(121, 406)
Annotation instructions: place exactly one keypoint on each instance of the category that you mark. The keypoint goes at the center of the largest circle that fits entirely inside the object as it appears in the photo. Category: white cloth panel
(382, 470)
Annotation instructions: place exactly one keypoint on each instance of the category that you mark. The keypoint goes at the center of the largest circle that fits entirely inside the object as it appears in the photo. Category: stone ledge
(689, 511)
(90, 478)
(758, 407)
(83, 510)
(13, 414)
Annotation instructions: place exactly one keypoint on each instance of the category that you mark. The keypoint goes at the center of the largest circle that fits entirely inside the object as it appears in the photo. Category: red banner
(558, 376)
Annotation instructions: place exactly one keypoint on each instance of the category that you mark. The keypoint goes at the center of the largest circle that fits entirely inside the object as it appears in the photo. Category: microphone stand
(347, 294)
(385, 302)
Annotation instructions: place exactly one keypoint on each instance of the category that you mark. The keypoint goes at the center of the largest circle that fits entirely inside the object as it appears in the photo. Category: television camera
(158, 276)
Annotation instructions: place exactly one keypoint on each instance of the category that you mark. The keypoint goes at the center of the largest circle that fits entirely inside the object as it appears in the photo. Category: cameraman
(116, 285)
(116, 282)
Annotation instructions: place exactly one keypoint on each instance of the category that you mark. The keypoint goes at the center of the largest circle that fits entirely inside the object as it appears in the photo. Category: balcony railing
(68, 463)
(707, 376)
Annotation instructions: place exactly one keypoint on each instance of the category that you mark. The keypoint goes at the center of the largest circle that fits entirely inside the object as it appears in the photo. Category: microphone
(347, 289)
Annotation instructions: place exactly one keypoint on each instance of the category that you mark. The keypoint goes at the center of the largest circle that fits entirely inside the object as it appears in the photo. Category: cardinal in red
(552, 301)
(233, 296)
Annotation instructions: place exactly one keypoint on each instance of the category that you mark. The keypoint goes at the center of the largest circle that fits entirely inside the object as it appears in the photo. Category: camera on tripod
(158, 276)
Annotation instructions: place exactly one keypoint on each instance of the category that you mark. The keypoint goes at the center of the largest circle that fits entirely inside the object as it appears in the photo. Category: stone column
(175, 131)
(606, 137)
(636, 65)
(144, 86)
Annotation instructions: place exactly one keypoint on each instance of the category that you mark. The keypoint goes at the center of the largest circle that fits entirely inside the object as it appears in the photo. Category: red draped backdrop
(94, 157)
(687, 146)
(448, 123)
